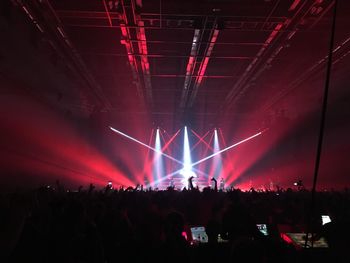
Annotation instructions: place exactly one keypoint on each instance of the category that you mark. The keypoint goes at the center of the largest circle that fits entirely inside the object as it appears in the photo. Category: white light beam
(225, 149)
(143, 144)
(216, 153)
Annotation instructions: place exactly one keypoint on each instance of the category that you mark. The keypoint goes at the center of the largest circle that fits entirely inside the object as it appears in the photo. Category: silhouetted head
(237, 222)
(213, 230)
(174, 226)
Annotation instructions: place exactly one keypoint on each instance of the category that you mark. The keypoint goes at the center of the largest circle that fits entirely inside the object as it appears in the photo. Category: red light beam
(170, 141)
(216, 153)
(201, 139)
(227, 148)
(145, 145)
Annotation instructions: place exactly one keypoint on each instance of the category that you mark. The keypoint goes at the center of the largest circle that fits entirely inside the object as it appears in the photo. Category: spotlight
(145, 145)
(187, 161)
(109, 186)
(227, 148)
(217, 162)
(299, 184)
(158, 169)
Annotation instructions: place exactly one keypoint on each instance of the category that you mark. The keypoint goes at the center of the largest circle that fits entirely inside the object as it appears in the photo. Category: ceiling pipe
(182, 21)
(82, 68)
(190, 67)
(174, 28)
(126, 36)
(164, 55)
(235, 91)
(53, 29)
(313, 69)
(203, 66)
(294, 5)
(316, 68)
(324, 11)
(141, 65)
(203, 42)
(107, 12)
(35, 22)
(142, 45)
(244, 83)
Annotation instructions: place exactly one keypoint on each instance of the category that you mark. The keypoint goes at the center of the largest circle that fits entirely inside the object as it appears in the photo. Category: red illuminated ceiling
(240, 66)
(180, 60)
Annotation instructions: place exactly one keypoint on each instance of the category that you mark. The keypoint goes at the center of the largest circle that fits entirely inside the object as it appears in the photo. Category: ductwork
(203, 66)
(190, 67)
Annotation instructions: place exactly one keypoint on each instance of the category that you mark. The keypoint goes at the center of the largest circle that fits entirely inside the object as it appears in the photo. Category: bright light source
(158, 170)
(187, 155)
(217, 162)
(216, 153)
(189, 165)
(145, 145)
(227, 148)
(186, 171)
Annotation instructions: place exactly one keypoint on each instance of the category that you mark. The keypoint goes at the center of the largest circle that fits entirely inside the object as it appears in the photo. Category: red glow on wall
(44, 143)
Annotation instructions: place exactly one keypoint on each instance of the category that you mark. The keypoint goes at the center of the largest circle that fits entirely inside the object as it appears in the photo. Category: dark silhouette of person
(237, 223)
(176, 247)
(337, 234)
(190, 183)
(215, 184)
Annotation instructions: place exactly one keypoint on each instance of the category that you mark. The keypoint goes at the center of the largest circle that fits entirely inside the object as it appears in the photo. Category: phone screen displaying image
(199, 235)
(263, 229)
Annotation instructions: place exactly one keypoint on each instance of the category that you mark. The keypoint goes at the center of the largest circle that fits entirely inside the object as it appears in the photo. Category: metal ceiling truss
(275, 42)
(49, 24)
(198, 60)
(339, 53)
(131, 26)
(170, 21)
